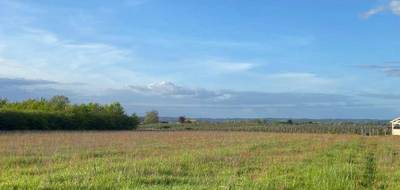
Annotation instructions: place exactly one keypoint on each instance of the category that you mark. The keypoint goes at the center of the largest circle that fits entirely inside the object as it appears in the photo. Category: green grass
(197, 160)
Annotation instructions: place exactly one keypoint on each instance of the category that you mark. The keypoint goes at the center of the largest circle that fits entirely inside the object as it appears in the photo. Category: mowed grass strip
(197, 160)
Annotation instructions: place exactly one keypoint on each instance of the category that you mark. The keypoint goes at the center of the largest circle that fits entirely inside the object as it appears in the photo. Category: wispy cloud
(7, 82)
(21, 88)
(29, 53)
(173, 100)
(223, 66)
(268, 44)
(232, 97)
(384, 96)
(393, 6)
(373, 12)
(391, 68)
(170, 89)
(301, 82)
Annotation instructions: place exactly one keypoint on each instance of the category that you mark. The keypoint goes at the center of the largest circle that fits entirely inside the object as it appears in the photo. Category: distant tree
(94, 108)
(261, 121)
(135, 120)
(151, 117)
(57, 113)
(290, 122)
(59, 103)
(115, 108)
(3, 102)
(182, 119)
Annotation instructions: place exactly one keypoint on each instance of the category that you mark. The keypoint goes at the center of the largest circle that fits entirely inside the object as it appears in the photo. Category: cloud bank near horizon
(173, 100)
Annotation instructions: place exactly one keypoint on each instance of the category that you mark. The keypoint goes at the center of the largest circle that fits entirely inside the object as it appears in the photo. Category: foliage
(181, 119)
(261, 121)
(59, 114)
(135, 119)
(3, 102)
(59, 102)
(151, 117)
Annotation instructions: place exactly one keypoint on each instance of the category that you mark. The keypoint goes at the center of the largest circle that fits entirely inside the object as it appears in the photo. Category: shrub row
(36, 120)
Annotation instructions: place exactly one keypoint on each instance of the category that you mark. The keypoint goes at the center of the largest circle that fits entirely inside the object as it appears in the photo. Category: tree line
(58, 113)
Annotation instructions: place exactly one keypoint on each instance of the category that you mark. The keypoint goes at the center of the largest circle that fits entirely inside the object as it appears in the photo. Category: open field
(197, 160)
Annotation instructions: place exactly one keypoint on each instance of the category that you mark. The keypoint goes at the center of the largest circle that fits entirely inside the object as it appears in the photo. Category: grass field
(197, 160)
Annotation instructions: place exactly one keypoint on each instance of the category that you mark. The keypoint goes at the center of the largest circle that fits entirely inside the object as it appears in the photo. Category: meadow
(197, 160)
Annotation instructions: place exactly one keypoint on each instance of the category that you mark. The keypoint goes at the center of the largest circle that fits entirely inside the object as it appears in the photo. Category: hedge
(36, 120)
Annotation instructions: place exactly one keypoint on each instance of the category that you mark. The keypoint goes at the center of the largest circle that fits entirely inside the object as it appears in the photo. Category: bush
(182, 119)
(151, 117)
(17, 120)
(59, 114)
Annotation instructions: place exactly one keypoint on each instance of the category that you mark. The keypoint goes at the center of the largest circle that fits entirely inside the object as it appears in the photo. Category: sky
(207, 58)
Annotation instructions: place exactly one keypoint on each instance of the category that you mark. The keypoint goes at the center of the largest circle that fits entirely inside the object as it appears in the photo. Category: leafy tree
(115, 108)
(58, 114)
(135, 120)
(261, 121)
(59, 103)
(182, 119)
(94, 108)
(151, 117)
(3, 102)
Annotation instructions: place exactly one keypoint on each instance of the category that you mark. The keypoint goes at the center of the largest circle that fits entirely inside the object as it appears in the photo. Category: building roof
(395, 120)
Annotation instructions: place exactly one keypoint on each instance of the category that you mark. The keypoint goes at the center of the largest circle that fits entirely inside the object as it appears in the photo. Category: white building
(395, 126)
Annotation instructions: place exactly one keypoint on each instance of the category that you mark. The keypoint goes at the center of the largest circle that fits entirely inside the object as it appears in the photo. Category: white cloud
(392, 70)
(163, 87)
(300, 82)
(170, 89)
(7, 82)
(293, 76)
(393, 6)
(32, 53)
(373, 12)
(225, 67)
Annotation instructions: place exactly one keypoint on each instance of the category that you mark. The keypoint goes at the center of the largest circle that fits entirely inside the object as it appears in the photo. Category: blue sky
(207, 58)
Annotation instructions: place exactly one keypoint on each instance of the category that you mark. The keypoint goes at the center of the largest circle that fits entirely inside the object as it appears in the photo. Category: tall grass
(197, 160)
